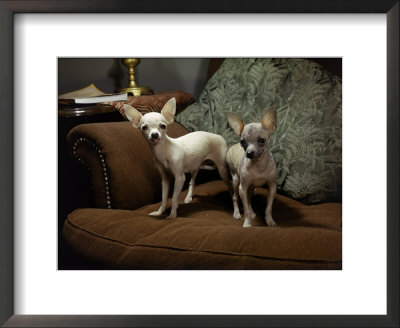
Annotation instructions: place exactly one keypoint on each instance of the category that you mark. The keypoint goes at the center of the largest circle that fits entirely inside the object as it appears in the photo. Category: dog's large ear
(133, 115)
(169, 109)
(269, 119)
(235, 122)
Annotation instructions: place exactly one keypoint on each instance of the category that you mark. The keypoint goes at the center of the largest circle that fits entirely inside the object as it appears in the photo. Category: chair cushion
(307, 145)
(205, 236)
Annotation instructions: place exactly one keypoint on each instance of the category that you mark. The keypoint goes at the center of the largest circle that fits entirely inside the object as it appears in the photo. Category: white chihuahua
(251, 164)
(178, 156)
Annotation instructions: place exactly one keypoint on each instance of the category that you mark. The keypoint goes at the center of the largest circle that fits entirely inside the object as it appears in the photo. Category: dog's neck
(160, 150)
(261, 161)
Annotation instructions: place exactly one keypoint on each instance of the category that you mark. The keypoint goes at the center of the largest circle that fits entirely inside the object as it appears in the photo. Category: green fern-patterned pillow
(307, 145)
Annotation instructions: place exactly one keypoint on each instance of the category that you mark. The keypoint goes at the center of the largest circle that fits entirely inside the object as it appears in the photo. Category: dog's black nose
(154, 135)
(250, 154)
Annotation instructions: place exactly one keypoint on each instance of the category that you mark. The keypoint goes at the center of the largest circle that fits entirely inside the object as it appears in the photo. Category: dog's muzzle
(155, 137)
(250, 154)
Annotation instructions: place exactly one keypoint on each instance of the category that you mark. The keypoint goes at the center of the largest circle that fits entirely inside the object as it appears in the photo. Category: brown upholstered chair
(119, 234)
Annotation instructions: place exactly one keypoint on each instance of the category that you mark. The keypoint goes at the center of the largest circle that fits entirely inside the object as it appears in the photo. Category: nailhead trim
(103, 163)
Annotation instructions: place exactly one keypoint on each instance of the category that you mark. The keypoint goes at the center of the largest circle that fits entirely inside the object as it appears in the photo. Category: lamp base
(137, 91)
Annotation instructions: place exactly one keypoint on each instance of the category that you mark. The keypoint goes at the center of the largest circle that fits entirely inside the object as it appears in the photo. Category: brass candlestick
(133, 88)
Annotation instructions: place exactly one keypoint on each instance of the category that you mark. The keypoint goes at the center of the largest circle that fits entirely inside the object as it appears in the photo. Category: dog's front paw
(253, 215)
(247, 223)
(188, 200)
(270, 222)
(172, 215)
(236, 215)
(156, 213)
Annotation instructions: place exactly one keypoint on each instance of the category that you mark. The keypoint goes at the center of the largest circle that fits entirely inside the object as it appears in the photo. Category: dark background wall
(160, 74)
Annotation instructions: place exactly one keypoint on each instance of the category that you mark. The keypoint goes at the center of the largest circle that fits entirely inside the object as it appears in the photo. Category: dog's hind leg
(235, 197)
(223, 172)
(188, 198)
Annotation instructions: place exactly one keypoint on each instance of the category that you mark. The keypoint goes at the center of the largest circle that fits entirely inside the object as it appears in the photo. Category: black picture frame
(7, 11)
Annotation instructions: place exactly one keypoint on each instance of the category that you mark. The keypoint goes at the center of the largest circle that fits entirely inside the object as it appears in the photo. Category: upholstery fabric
(154, 103)
(205, 236)
(307, 145)
(128, 168)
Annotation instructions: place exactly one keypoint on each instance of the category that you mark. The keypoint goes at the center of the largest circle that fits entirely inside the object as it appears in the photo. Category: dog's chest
(258, 174)
(160, 157)
(256, 179)
(169, 157)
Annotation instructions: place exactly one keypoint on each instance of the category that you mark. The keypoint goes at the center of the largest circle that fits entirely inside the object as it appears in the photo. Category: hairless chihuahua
(251, 164)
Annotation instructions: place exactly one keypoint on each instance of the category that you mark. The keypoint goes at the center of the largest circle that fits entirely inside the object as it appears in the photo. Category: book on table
(90, 95)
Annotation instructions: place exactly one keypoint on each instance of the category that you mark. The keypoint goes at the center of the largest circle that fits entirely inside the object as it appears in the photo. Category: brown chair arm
(120, 163)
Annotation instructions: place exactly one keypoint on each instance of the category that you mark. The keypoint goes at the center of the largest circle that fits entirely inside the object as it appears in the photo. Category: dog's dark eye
(261, 140)
(144, 128)
(243, 143)
(163, 126)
